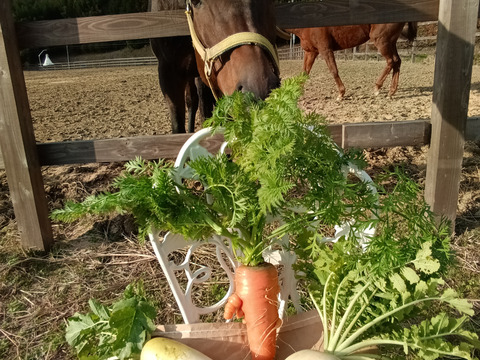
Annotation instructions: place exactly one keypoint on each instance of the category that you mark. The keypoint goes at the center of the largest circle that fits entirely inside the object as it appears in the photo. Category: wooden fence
(23, 158)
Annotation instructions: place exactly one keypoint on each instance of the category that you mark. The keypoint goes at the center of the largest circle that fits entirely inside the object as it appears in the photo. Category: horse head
(233, 42)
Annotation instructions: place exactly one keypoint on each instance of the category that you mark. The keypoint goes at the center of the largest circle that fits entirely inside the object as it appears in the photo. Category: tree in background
(24, 10)
(33, 10)
(30, 10)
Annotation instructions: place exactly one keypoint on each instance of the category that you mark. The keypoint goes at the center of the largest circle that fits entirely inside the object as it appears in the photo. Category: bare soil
(122, 102)
(99, 258)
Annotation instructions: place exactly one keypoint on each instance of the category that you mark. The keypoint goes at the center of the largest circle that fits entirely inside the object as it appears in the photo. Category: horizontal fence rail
(284, 54)
(173, 23)
(359, 135)
(118, 62)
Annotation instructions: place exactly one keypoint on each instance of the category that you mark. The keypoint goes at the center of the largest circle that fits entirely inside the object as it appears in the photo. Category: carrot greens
(282, 162)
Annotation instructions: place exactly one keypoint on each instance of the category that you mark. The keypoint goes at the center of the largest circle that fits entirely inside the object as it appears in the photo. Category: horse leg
(393, 62)
(174, 93)
(191, 100)
(206, 99)
(308, 60)
(397, 61)
(332, 66)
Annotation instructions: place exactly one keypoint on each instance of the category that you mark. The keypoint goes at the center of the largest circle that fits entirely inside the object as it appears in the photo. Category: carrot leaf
(281, 163)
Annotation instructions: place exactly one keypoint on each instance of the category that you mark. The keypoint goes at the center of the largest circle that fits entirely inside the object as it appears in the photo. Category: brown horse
(180, 82)
(233, 42)
(233, 50)
(326, 40)
(178, 76)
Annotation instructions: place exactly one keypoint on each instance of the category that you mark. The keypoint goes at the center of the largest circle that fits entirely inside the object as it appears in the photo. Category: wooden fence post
(17, 142)
(457, 20)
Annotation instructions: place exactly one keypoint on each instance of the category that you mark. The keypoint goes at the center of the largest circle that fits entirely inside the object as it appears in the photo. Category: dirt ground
(121, 102)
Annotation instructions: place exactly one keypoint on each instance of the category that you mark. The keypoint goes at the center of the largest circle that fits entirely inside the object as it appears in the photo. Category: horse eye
(195, 2)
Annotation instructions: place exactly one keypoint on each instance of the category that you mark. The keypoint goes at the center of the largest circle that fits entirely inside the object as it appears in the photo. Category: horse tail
(411, 33)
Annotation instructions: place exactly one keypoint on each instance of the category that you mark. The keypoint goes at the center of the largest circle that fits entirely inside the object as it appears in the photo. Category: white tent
(47, 61)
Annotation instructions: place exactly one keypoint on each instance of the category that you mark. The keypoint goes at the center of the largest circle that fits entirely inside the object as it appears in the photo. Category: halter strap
(209, 55)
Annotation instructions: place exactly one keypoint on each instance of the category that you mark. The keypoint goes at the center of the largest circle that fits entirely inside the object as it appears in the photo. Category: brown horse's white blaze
(325, 40)
(244, 65)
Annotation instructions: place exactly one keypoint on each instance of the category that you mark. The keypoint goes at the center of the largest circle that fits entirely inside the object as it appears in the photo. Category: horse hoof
(376, 92)
(339, 98)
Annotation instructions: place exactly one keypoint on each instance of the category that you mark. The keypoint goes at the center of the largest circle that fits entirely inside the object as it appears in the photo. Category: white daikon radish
(311, 355)
(167, 349)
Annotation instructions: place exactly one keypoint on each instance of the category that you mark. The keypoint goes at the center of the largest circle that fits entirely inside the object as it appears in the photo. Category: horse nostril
(239, 87)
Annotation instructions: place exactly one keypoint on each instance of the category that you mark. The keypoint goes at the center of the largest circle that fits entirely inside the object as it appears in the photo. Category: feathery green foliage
(383, 295)
(282, 163)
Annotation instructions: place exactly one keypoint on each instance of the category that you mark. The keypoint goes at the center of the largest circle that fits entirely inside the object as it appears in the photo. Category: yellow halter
(209, 55)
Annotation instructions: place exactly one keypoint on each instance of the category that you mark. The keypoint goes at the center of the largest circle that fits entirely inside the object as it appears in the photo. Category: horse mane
(157, 5)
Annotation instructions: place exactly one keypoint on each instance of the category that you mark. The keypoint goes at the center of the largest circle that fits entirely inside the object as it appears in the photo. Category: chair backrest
(171, 243)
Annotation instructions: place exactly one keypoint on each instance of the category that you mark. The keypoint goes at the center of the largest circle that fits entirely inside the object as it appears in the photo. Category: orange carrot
(255, 300)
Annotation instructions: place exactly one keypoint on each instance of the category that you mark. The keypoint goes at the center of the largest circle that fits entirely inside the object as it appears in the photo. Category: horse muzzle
(249, 69)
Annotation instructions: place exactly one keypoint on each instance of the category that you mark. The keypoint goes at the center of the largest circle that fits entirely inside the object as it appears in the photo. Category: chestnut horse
(326, 40)
(233, 51)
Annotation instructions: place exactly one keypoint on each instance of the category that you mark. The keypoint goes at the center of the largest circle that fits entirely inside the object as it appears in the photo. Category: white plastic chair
(171, 243)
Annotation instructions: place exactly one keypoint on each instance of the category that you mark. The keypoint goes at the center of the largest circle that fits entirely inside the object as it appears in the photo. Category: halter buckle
(208, 67)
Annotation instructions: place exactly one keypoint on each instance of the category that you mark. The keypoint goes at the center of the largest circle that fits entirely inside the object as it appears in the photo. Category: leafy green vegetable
(383, 295)
(118, 330)
(282, 163)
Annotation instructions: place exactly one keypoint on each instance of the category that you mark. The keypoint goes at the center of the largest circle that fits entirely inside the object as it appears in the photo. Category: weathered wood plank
(359, 135)
(168, 146)
(121, 149)
(101, 29)
(451, 88)
(346, 12)
(173, 23)
(386, 134)
(17, 143)
(472, 132)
